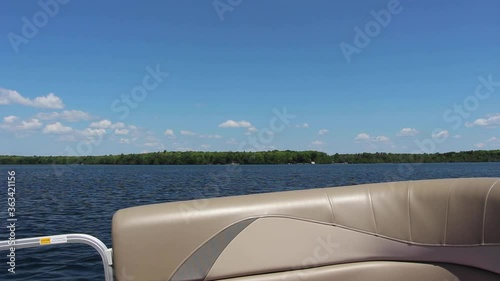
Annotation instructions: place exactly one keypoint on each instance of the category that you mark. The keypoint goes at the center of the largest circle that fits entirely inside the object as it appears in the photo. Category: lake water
(82, 199)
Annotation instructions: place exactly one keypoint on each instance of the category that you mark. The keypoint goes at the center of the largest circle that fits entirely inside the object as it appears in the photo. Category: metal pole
(106, 254)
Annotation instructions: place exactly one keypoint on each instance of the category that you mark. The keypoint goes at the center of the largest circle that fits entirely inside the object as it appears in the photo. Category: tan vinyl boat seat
(434, 230)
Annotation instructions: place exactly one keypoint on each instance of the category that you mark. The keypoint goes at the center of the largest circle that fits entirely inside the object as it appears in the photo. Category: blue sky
(109, 77)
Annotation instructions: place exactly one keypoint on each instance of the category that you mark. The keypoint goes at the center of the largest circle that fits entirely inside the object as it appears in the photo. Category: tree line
(261, 157)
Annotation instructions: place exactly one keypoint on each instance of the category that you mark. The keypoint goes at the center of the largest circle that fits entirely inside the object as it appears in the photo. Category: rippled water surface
(82, 199)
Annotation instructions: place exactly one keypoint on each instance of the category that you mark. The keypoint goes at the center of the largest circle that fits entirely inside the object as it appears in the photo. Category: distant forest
(264, 157)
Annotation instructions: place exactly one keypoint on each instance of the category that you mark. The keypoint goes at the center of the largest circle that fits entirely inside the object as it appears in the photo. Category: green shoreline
(261, 157)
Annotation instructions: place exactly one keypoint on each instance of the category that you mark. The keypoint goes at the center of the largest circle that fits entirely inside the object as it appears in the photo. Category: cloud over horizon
(364, 137)
(407, 132)
(491, 121)
(66, 115)
(50, 101)
(235, 124)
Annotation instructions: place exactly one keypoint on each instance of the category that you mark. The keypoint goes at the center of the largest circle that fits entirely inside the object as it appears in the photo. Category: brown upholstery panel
(352, 207)
(274, 244)
(428, 213)
(443, 212)
(492, 216)
(378, 271)
(152, 242)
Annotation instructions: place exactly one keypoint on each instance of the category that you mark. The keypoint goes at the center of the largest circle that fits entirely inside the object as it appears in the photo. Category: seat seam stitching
(373, 210)
(446, 216)
(331, 206)
(409, 209)
(485, 205)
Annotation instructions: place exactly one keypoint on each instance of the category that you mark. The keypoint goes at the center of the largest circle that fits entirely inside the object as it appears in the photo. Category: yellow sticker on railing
(53, 240)
(45, 241)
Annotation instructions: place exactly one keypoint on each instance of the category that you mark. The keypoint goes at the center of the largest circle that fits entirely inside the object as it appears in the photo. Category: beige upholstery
(384, 271)
(452, 221)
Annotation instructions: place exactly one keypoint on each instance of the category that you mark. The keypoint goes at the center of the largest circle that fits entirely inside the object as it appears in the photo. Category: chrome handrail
(98, 245)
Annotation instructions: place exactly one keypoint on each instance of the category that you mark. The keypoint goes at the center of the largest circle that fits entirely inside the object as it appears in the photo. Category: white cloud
(492, 121)
(252, 130)
(408, 132)
(67, 115)
(31, 124)
(304, 126)
(124, 140)
(14, 124)
(48, 116)
(135, 132)
(317, 143)
(121, 131)
(232, 141)
(10, 119)
(362, 136)
(323, 132)
(457, 136)
(153, 141)
(13, 97)
(49, 101)
(492, 142)
(187, 133)
(441, 134)
(205, 146)
(382, 139)
(90, 133)
(68, 134)
(56, 128)
(169, 133)
(480, 145)
(235, 124)
(118, 125)
(103, 124)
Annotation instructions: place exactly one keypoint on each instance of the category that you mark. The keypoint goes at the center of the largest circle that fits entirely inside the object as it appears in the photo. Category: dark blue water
(82, 199)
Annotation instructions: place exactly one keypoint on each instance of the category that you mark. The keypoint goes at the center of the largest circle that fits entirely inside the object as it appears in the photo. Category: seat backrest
(316, 233)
